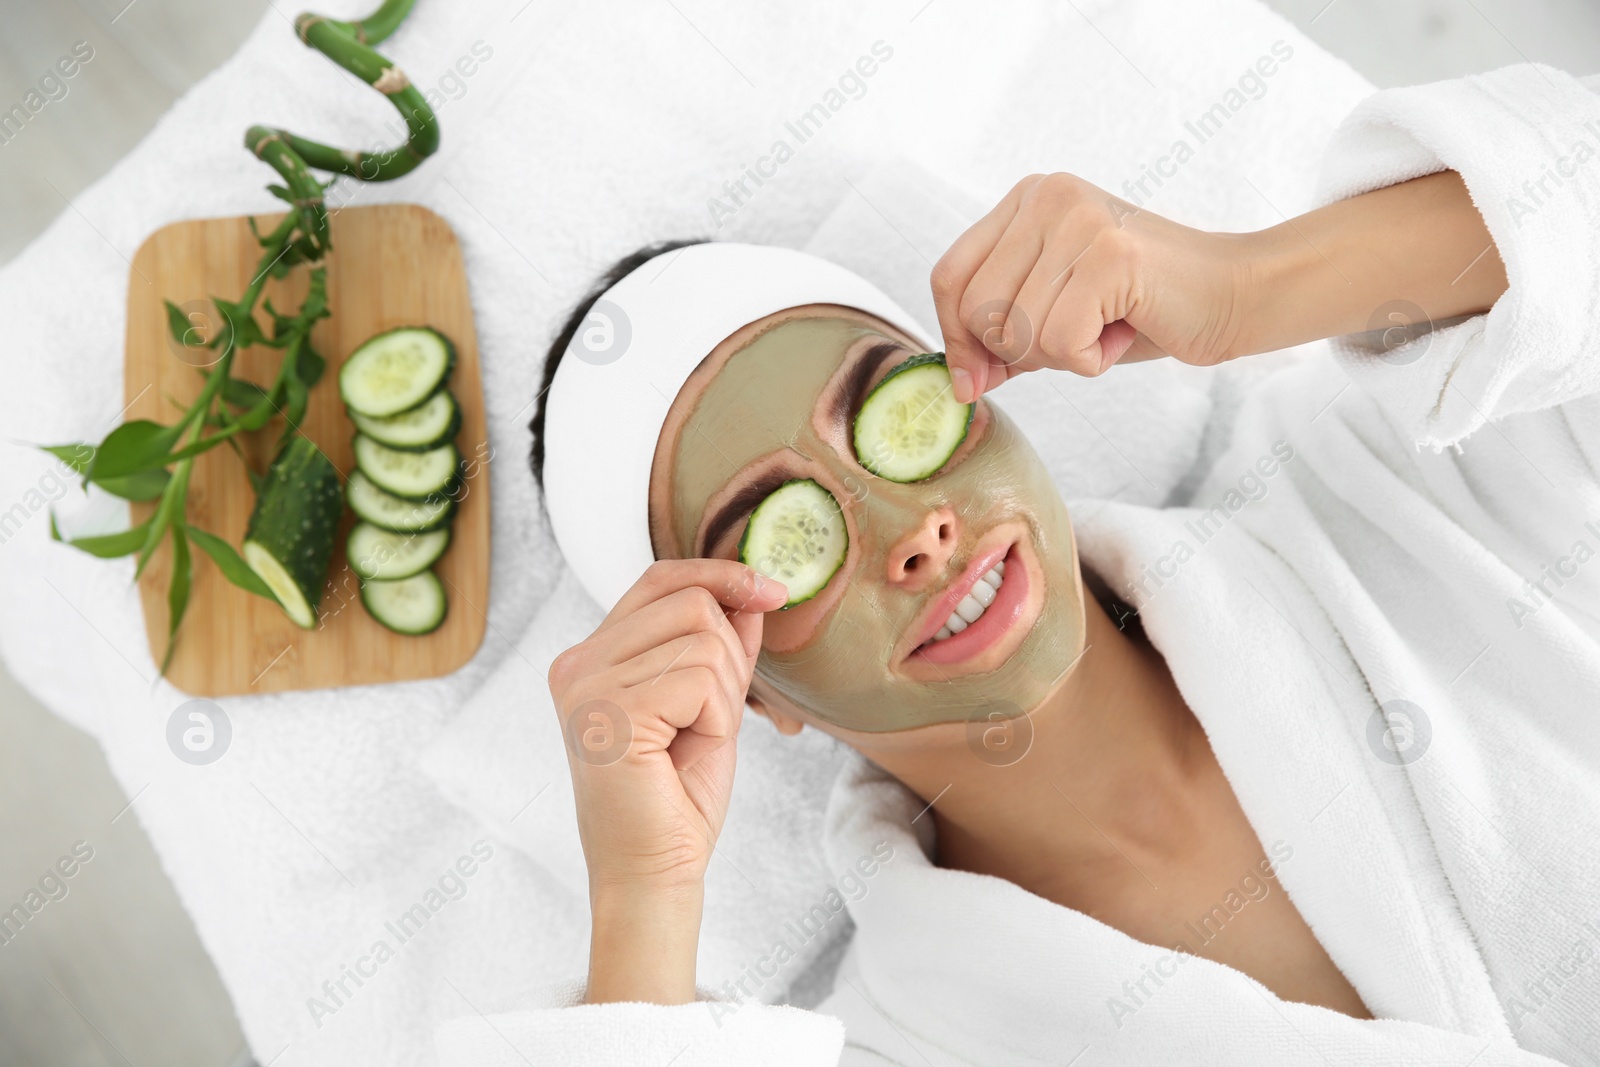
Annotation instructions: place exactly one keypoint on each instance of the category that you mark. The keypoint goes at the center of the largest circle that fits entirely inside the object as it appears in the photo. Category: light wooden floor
(113, 974)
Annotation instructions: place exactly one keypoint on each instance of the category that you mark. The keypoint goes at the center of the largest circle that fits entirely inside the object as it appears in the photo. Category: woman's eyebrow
(849, 397)
(742, 501)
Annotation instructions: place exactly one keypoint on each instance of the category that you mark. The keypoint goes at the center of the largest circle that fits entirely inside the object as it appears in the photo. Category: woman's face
(776, 401)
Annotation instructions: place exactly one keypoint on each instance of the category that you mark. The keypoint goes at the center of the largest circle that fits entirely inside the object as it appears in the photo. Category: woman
(1099, 776)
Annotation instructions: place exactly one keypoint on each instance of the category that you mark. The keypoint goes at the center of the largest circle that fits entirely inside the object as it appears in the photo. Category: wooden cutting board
(391, 265)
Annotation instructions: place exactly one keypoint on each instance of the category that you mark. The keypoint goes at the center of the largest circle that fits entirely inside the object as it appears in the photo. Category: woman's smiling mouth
(979, 612)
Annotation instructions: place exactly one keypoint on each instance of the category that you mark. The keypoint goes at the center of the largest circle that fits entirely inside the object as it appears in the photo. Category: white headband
(624, 367)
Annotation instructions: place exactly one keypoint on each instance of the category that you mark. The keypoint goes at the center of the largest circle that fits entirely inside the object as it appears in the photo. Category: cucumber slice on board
(389, 512)
(395, 371)
(411, 475)
(910, 424)
(428, 425)
(412, 606)
(797, 536)
(384, 555)
(289, 541)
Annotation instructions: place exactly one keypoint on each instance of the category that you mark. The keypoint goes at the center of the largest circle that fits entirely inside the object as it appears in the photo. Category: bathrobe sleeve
(552, 1027)
(1526, 141)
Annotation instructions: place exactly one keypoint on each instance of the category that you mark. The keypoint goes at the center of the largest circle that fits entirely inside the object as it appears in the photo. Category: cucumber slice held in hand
(412, 606)
(383, 555)
(396, 371)
(424, 476)
(428, 425)
(911, 424)
(389, 512)
(797, 536)
(289, 541)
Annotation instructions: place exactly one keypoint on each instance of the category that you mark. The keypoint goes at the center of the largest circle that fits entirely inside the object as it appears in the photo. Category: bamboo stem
(376, 27)
(342, 42)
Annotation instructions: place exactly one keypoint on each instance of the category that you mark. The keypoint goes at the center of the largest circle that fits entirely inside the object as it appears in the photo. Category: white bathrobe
(1384, 608)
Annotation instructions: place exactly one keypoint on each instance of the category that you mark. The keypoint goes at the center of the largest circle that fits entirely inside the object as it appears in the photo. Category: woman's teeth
(979, 597)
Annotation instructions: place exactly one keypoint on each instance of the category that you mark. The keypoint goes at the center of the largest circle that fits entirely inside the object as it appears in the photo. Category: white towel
(570, 145)
(1395, 653)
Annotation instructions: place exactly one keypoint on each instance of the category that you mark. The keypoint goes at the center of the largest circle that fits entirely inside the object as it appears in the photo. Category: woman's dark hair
(569, 329)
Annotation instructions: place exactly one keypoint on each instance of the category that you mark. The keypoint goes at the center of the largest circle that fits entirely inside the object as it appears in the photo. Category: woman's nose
(921, 555)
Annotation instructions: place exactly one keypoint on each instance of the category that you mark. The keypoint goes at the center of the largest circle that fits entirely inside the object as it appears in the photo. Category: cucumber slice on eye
(910, 424)
(797, 536)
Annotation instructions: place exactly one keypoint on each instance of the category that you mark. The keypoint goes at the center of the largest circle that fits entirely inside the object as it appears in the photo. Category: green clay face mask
(770, 405)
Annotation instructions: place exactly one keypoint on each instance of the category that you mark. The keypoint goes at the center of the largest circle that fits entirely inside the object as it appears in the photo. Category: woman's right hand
(650, 704)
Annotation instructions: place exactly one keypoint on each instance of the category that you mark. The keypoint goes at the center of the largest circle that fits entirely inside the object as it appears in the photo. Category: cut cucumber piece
(396, 371)
(428, 425)
(389, 512)
(290, 537)
(383, 555)
(413, 605)
(411, 475)
(910, 424)
(797, 536)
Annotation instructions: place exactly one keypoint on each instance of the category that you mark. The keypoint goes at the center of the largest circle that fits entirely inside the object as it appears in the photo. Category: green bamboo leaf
(310, 365)
(153, 534)
(230, 563)
(239, 328)
(282, 325)
(206, 444)
(77, 456)
(315, 305)
(177, 592)
(242, 393)
(171, 506)
(146, 485)
(109, 546)
(132, 447)
(182, 328)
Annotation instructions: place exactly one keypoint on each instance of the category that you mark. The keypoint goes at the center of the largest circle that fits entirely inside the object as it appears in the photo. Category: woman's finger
(987, 307)
(685, 611)
(699, 649)
(964, 354)
(733, 584)
(1085, 333)
(693, 701)
(1037, 299)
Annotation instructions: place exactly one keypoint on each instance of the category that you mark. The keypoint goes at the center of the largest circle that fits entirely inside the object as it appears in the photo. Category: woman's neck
(1114, 758)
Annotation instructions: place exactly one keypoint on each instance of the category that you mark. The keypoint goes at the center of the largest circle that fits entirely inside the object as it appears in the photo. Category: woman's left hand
(1062, 274)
